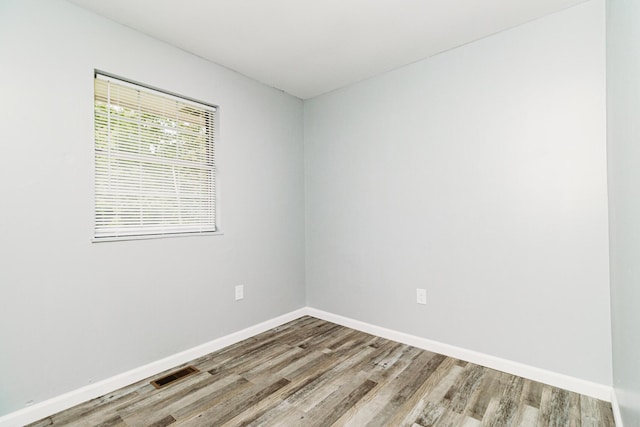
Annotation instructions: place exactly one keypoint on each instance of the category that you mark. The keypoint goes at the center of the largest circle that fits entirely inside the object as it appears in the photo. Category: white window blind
(154, 162)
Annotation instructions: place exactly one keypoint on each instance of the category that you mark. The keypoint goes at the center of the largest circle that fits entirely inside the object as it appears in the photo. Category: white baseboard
(75, 397)
(617, 416)
(588, 388)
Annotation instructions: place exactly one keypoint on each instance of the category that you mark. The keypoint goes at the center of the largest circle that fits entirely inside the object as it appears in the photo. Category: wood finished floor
(310, 372)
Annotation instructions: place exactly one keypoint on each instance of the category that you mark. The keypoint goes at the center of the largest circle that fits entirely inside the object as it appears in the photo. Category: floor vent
(173, 377)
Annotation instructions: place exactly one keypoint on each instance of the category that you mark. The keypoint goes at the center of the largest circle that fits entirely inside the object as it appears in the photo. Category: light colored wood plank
(435, 388)
(529, 417)
(605, 413)
(412, 378)
(335, 405)
(470, 422)
(464, 392)
(506, 411)
(386, 370)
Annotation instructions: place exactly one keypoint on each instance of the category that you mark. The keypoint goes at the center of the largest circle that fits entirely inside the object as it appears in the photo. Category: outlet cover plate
(421, 296)
(239, 292)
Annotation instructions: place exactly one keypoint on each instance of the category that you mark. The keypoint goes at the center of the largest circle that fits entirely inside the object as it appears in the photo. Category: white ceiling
(306, 47)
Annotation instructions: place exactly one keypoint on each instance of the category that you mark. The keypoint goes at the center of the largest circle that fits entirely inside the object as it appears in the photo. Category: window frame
(215, 176)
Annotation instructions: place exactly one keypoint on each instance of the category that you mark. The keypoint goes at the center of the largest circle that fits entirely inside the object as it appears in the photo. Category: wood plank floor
(310, 372)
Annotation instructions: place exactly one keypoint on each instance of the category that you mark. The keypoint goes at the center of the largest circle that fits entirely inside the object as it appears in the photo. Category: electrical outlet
(421, 296)
(239, 292)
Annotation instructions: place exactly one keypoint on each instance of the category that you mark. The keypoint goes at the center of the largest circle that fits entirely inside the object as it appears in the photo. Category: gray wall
(480, 175)
(623, 89)
(73, 312)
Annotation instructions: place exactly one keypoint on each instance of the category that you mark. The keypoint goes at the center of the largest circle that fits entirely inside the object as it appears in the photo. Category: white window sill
(154, 236)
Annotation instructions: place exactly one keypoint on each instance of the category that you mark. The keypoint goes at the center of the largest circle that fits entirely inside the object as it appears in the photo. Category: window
(154, 162)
